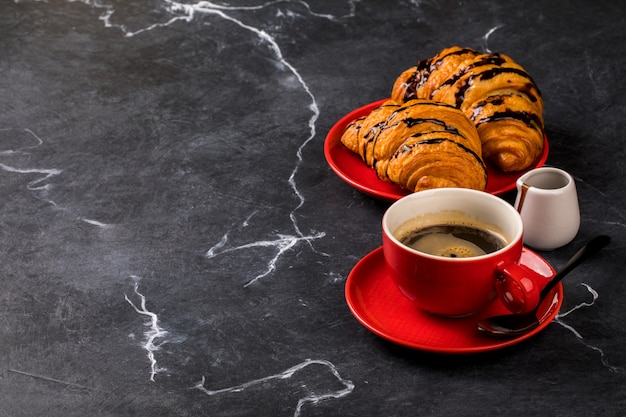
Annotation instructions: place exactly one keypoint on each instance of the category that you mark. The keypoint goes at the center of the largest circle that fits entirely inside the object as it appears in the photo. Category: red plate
(378, 305)
(351, 168)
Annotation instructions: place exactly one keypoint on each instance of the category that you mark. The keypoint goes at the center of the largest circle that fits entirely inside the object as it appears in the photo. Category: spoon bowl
(516, 324)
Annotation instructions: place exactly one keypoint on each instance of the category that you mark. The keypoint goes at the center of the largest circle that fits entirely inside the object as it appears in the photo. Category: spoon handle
(593, 246)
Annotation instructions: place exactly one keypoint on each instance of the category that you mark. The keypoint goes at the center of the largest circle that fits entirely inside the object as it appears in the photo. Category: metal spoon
(515, 324)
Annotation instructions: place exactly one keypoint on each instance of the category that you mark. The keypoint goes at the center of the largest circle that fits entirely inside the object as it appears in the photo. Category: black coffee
(453, 241)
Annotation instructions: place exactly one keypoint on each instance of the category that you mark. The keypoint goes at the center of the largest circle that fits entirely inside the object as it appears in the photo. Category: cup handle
(517, 287)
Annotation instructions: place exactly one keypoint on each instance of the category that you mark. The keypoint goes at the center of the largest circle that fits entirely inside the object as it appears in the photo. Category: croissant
(419, 144)
(497, 95)
(359, 132)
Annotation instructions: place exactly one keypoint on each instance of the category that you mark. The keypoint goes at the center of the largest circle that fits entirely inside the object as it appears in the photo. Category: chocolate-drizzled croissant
(419, 144)
(497, 94)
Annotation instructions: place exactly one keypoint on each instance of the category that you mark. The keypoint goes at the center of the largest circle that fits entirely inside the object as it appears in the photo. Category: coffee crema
(453, 240)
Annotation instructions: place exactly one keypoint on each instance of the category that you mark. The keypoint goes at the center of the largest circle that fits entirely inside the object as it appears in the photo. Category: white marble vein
(487, 35)
(42, 184)
(42, 174)
(559, 319)
(348, 386)
(154, 336)
(281, 244)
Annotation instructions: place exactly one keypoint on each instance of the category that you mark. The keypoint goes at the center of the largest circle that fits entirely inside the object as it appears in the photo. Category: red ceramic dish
(379, 305)
(351, 168)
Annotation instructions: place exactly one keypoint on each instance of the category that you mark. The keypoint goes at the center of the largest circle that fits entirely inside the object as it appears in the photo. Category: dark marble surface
(173, 242)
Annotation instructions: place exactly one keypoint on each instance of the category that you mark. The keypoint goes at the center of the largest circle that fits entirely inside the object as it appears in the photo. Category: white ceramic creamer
(548, 204)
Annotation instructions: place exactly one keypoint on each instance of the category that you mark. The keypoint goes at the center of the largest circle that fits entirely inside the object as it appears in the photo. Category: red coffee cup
(459, 286)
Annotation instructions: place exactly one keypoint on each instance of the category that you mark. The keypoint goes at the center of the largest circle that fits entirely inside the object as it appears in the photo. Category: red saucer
(351, 168)
(378, 305)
